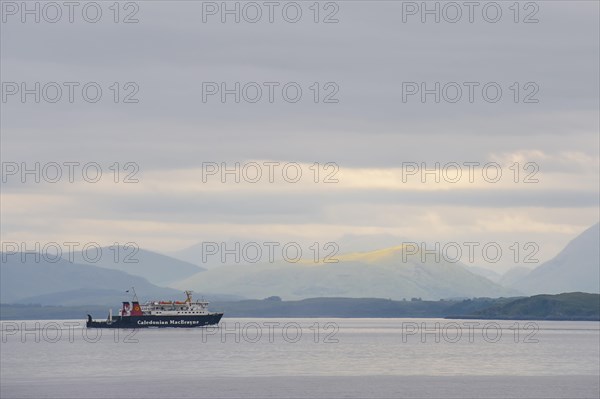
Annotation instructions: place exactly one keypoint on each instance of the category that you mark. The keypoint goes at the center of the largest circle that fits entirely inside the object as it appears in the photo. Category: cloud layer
(372, 133)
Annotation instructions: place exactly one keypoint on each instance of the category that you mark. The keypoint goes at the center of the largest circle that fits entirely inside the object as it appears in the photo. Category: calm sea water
(419, 358)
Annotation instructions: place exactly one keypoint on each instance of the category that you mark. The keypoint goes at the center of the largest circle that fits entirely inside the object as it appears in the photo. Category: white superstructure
(174, 308)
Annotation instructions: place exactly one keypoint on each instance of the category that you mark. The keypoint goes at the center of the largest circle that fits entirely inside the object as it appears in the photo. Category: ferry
(188, 313)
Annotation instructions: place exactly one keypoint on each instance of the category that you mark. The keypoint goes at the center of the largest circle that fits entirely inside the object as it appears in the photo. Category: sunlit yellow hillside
(370, 257)
(373, 257)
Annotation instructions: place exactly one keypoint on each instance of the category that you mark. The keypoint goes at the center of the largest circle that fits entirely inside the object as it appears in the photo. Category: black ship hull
(185, 321)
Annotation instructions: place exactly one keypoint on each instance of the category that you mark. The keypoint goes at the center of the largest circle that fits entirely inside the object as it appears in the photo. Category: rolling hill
(63, 282)
(154, 267)
(567, 306)
(347, 243)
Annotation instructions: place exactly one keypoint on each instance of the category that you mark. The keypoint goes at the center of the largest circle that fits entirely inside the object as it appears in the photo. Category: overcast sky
(372, 133)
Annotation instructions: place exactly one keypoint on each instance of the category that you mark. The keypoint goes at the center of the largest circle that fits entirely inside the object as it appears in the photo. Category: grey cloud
(369, 54)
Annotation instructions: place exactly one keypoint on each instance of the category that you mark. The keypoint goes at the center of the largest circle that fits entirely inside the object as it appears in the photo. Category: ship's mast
(135, 298)
(188, 295)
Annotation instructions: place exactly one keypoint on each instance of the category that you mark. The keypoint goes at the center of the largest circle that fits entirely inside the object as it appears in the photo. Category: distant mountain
(575, 268)
(352, 243)
(347, 244)
(194, 254)
(88, 296)
(375, 274)
(513, 275)
(487, 273)
(154, 267)
(28, 281)
(38, 312)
